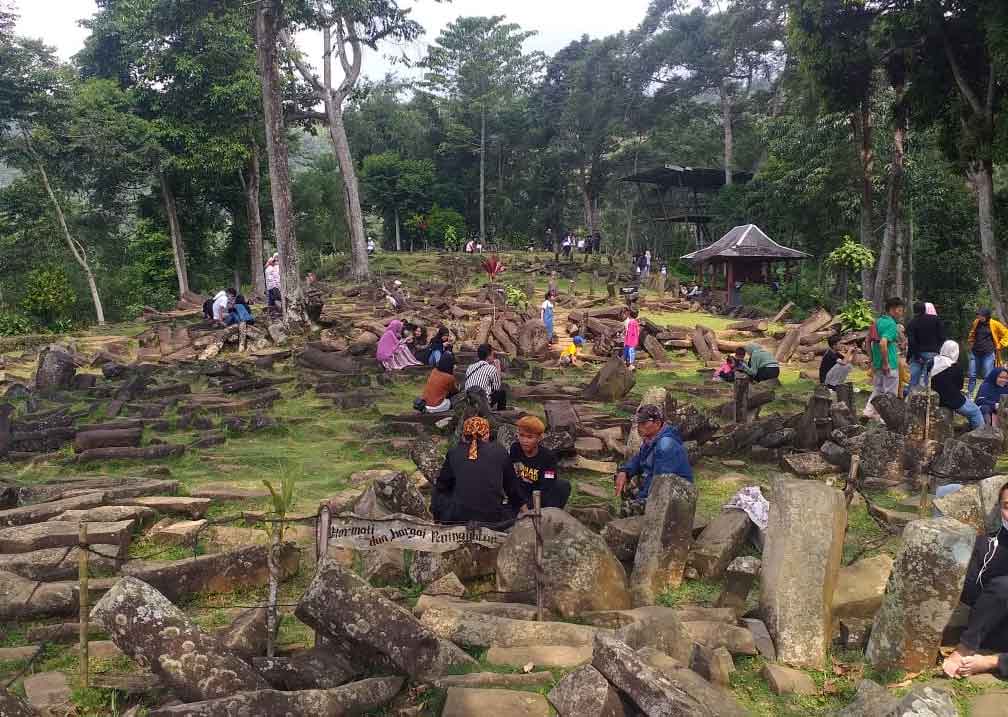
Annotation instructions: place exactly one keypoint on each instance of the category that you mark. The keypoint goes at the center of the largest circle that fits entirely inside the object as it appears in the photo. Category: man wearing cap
(536, 467)
(987, 337)
(661, 453)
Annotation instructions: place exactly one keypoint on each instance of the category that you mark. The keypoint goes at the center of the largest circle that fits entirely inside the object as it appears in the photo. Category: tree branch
(352, 68)
(964, 88)
(305, 114)
(300, 64)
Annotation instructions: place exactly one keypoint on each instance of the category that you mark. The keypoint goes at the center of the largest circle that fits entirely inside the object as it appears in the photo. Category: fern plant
(856, 315)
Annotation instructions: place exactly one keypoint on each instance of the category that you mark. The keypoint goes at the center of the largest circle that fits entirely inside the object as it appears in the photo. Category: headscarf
(273, 259)
(389, 341)
(929, 309)
(948, 356)
(475, 429)
(446, 364)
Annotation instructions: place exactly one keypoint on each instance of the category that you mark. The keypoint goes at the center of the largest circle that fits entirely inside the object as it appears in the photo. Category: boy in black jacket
(536, 467)
(986, 591)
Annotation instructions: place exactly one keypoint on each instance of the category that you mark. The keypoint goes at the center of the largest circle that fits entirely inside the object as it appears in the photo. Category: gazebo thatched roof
(746, 242)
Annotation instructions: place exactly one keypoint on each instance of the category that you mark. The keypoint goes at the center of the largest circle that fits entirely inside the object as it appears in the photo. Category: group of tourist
(228, 307)
(584, 244)
(923, 355)
(760, 366)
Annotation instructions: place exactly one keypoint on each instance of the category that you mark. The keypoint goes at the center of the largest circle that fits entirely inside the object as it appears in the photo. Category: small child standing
(631, 337)
(546, 314)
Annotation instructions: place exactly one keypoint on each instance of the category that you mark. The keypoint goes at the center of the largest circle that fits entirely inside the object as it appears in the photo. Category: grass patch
(691, 592)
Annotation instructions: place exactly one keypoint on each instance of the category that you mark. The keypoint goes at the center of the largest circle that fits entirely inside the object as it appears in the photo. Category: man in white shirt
(486, 376)
(219, 309)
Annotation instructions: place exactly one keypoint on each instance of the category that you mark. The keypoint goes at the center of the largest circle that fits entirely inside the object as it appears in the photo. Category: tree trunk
(75, 247)
(894, 199)
(898, 274)
(398, 238)
(981, 175)
(250, 184)
(175, 231)
(588, 212)
(911, 289)
(863, 130)
(482, 170)
(729, 140)
(355, 216)
(276, 151)
(630, 205)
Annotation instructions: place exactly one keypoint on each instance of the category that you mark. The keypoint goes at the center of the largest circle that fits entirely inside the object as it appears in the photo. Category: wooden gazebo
(742, 256)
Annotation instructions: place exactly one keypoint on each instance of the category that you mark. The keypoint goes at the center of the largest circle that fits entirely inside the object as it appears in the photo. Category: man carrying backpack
(883, 339)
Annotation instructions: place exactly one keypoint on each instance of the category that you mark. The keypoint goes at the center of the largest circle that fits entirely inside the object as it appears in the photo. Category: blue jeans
(630, 354)
(920, 369)
(434, 357)
(238, 314)
(972, 413)
(979, 366)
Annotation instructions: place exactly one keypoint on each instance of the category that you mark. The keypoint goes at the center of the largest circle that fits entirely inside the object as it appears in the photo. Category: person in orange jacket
(987, 337)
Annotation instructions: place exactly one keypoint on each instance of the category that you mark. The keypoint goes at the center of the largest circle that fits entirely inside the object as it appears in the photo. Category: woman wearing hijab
(393, 353)
(993, 388)
(441, 386)
(947, 381)
(475, 474)
(437, 344)
(272, 272)
(925, 334)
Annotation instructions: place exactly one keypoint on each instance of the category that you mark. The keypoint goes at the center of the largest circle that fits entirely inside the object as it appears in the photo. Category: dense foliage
(875, 135)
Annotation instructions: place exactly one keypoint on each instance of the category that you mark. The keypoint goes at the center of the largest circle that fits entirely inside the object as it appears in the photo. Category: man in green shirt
(885, 353)
(762, 365)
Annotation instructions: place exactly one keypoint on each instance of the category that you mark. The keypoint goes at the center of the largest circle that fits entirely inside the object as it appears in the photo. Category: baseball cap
(578, 341)
(650, 412)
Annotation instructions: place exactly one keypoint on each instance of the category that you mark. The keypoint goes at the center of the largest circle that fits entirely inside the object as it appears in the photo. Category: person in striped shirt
(486, 376)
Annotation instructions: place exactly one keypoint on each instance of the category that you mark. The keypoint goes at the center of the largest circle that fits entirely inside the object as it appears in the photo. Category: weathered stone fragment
(320, 668)
(612, 382)
(881, 453)
(860, 587)
(926, 701)
(58, 563)
(739, 578)
(466, 628)
(510, 610)
(963, 505)
(671, 691)
(622, 535)
(340, 604)
(38, 512)
(446, 586)
(383, 566)
(108, 514)
(714, 665)
(801, 562)
(58, 534)
(247, 633)
(549, 656)
(55, 371)
(47, 689)
(761, 636)
(737, 640)
(719, 543)
(871, 700)
(586, 693)
(806, 465)
(428, 455)
(787, 681)
(922, 592)
(159, 637)
(469, 702)
(392, 493)
(581, 573)
(467, 562)
(961, 461)
(216, 573)
(892, 410)
(14, 706)
(355, 698)
(195, 508)
(496, 679)
(665, 538)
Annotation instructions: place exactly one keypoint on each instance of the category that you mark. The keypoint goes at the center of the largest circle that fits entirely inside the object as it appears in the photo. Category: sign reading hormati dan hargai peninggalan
(405, 531)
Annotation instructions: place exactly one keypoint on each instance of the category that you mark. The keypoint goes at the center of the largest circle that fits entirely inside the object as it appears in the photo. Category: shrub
(760, 296)
(48, 295)
(856, 315)
(12, 324)
(438, 222)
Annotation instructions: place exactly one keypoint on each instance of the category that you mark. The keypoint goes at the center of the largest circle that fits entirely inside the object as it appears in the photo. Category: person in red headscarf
(475, 475)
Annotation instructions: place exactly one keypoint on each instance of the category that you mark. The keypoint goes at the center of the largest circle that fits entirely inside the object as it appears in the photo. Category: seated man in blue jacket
(660, 453)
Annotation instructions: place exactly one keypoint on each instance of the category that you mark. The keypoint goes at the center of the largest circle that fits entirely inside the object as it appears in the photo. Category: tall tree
(478, 62)
(396, 186)
(347, 28)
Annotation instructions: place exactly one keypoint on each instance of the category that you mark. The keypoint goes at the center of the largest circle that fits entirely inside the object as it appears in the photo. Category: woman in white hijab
(947, 380)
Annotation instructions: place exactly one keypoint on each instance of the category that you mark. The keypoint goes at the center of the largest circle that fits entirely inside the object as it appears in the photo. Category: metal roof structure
(746, 242)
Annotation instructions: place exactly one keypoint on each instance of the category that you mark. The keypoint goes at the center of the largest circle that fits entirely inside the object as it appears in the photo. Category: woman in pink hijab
(393, 353)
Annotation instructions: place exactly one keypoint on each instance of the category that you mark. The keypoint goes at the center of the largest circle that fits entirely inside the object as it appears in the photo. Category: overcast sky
(558, 22)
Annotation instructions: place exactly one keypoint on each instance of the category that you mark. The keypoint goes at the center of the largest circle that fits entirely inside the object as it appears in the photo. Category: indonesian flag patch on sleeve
(549, 475)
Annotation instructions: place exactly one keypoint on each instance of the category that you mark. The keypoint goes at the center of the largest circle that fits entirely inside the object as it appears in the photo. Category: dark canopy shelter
(676, 194)
(741, 256)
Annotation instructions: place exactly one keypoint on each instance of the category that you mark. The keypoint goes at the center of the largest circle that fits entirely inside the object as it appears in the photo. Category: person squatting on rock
(441, 386)
(987, 337)
(485, 375)
(761, 366)
(883, 340)
(568, 357)
(661, 453)
(992, 390)
(986, 592)
(272, 273)
(475, 474)
(236, 309)
(947, 382)
(536, 467)
(393, 352)
(925, 335)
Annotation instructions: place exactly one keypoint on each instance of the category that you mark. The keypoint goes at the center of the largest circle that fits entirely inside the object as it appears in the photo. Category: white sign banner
(403, 531)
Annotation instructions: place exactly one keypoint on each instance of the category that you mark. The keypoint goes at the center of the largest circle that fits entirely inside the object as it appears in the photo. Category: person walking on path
(925, 335)
(947, 381)
(631, 338)
(546, 314)
(987, 337)
(883, 339)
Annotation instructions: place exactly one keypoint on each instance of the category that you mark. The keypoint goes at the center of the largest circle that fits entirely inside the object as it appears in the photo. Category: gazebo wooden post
(730, 281)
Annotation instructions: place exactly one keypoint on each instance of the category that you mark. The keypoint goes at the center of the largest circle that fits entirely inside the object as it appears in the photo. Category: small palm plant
(276, 524)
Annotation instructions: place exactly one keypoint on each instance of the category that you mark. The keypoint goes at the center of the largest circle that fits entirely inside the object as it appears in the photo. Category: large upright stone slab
(801, 562)
(159, 637)
(586, 693)
(882, 454)
(340, 604)
(922, 592)
(665, 538)
(580, 571)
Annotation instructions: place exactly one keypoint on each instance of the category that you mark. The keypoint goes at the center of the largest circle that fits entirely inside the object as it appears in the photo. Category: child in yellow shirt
(568, 357)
